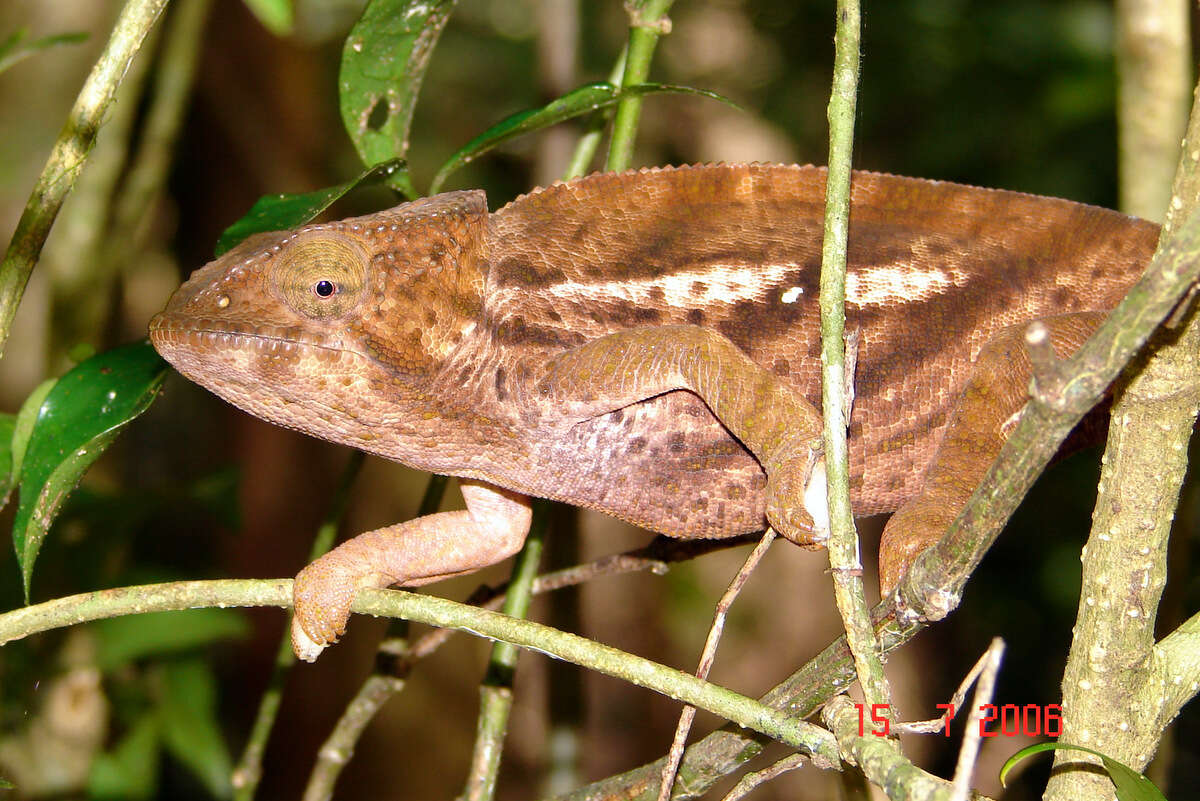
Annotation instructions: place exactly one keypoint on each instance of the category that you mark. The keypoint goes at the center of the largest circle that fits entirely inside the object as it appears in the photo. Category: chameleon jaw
(176, 333)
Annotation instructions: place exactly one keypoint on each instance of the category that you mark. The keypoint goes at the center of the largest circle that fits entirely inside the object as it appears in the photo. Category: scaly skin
(645, 344)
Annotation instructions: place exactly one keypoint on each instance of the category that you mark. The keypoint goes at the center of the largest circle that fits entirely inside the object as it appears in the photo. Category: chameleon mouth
(176, 334)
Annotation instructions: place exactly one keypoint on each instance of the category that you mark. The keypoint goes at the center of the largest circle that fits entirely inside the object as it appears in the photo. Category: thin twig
(750, 781)
(172, 88)
(655, 557)
(593, 128)
(879, 758)
(707, 656)
(968, 754)
(937, 725)
(337, 750)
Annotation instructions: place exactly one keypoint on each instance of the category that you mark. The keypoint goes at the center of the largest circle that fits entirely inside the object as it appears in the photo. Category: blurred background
(1016, 95)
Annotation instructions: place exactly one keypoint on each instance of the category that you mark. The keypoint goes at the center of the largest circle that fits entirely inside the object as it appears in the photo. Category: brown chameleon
(646, 344)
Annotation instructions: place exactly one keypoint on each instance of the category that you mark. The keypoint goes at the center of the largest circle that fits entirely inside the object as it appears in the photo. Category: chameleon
(646, 344)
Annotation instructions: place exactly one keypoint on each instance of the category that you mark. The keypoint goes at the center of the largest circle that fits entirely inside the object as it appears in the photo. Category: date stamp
(1006, 720)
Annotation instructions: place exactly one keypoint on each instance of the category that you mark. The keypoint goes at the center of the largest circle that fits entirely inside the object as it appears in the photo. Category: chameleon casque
(646, 344)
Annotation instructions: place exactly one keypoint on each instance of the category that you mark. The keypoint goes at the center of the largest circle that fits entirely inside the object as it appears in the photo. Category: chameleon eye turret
(320, 274)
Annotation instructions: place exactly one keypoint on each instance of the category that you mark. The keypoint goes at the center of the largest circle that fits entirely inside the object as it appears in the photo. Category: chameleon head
(334, 329)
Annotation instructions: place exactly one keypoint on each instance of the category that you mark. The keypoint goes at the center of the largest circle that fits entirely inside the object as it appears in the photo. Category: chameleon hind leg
(982, 419)
(767, 415)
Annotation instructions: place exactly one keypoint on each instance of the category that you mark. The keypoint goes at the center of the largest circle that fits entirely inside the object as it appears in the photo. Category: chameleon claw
(303, 646)
(816, 501)
(800, 512)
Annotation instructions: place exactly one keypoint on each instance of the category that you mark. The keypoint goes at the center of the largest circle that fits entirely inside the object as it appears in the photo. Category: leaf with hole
(1131, 785)
(14, 49)
(383, 63)
(81, 415)
(282, 212)
(581, 100)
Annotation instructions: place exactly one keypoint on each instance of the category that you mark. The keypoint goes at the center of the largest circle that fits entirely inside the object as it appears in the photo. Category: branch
(1113, 696)
(433, 611)
(1062, 396)
(880, 758)
(1154, 71)
(845, 561)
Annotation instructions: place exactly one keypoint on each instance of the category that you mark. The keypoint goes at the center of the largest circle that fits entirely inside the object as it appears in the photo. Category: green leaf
(277, 16)
(383, 63)
(281, 212)
(577, 102)
(129, 771)
(190, 729)
(8, 422)
(7, 785)
(14, 49)
(23, 427)
(122, 640)
(81, 414)
(1131, 785)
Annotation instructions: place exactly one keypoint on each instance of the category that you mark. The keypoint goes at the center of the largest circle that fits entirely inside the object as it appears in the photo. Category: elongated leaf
(281, 212)
(581, 100)
(122, 640)
(383, 64)
(8, 422)
(23, 427)
(15, 49)
(190, 728)
(130, 770)
(1131, 785)
(277, 16)
(81, 415)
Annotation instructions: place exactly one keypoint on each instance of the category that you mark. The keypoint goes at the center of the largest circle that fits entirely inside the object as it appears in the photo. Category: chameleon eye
(320, 274)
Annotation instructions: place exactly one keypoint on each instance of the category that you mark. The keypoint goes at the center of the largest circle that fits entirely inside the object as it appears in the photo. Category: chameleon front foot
(321, 596)
(412, 553)
(797, 504)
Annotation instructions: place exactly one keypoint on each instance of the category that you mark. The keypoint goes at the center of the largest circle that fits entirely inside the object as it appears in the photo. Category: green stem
(844, 559)
(495, 696)
(589, 143)
(739, 709)
(644, 31)
(70, 153)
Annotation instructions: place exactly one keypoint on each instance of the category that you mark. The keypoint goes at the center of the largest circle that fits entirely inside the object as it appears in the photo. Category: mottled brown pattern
(1019, 257)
